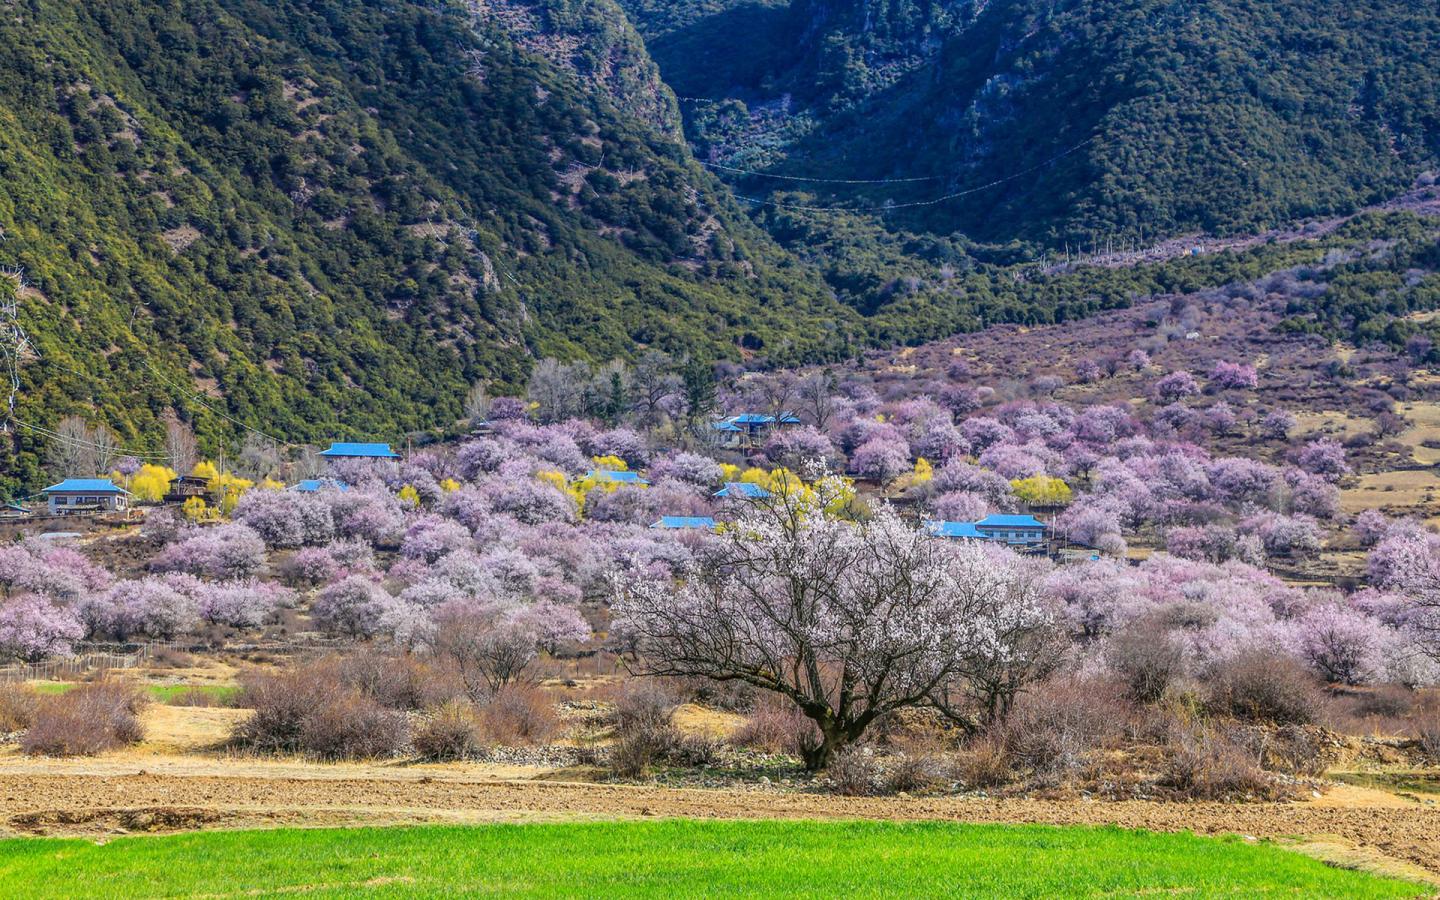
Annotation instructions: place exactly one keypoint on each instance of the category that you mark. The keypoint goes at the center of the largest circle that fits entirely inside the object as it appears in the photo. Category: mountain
(1060, 121)
(327, 218)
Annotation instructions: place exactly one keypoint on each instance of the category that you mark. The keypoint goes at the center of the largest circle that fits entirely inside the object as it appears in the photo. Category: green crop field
(675, 858)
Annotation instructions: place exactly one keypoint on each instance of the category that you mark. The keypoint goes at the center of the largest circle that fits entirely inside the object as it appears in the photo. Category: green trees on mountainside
(333, 218)
(1117, 118)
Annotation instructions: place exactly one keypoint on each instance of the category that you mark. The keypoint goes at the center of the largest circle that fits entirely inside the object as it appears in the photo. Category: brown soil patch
(31, 800)
(182, 729)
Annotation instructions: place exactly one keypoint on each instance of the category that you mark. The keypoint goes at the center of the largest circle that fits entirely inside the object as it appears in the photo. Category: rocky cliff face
(594, 42)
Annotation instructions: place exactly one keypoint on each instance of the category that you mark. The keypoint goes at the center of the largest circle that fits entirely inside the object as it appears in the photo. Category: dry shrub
(1054, 729)
(1427, 730)
(312, 710)
(519, 715)
(1262, 686)
(17, 707)
(730, 696)
(777, 726)
(1291, 749)
(645, 733)
(396, 680)
(984, 763)
(1147, 659)
(171, 658)
(85, 721)
(1385, 709)
(450, 732)
(1207, 763)
(854, 772)
(913, 773)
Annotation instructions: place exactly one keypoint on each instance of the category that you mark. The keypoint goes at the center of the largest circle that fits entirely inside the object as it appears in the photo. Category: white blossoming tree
(849, 620)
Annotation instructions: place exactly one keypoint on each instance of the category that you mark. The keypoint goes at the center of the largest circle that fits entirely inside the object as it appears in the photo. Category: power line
(935, 202)
(81, 442)
(754, 174)
(196, 394)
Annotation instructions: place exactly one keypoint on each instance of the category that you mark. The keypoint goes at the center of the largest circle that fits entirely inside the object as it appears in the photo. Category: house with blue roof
(1013, 529)
(85, 495)
(316, 485)
(605, 476)
(954, 530)
(685, 522)
(748, 430)
(346, 450)
(742, 490)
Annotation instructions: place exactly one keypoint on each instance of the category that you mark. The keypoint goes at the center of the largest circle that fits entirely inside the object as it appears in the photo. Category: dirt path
(1352, 825)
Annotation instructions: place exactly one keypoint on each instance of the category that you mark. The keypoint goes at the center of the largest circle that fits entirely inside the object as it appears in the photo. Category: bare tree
(477, 403)
(259, 457)
(558, 390)
(817, 398)
(656, 387)
(71, 451)
(180, 446)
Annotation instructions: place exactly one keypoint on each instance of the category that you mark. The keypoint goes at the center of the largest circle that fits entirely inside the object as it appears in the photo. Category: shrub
(984, 763)
(1264, 686)
(1052, 730)
(854, 773)
(1146, 658)
(520, 715)
(312, 710)
(911, 773)
(450, 732)
(395, 680)
(17, 707)
(85, 721)
(776, 727)
(1427, 729)
(1208, 764)
(644, 728)
(350, 725)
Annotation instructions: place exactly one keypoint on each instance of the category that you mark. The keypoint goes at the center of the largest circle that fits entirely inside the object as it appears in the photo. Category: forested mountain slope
(333, 217)
(1099, 118)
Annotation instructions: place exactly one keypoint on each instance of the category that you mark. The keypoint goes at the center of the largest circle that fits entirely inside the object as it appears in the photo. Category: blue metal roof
(86, 486)
(742, 489)
(752, 419)
(1009, 521)
(360, 451)
(616, 477)
(954, 530)
(725, 425)
(684, 522)
(314, 485)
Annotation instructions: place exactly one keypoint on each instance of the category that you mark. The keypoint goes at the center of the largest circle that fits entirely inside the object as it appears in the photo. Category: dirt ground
(1353, 825)
(181, 779)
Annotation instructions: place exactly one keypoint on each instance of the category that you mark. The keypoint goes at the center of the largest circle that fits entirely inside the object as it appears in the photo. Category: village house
(316, 485)
(749, 430)
(345, 450)
(685, 522)
(605, 476)
(85, 495)
(742, 490)
(1014, 530)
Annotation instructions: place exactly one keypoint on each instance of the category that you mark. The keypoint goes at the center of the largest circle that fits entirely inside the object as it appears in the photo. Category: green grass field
(677, 858)
(222, 694)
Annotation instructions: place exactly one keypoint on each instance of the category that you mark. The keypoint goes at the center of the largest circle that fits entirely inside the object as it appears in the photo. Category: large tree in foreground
(849, 620)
